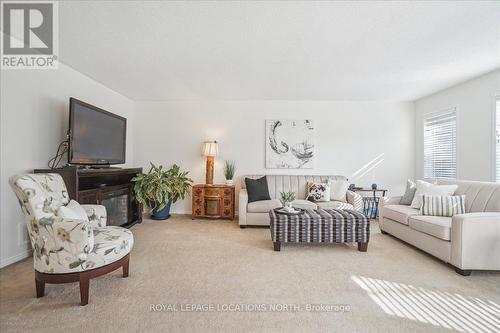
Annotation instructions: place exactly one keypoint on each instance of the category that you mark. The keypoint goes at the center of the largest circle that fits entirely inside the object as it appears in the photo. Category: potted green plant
(286, 199)
(159, 188)
(229, 169)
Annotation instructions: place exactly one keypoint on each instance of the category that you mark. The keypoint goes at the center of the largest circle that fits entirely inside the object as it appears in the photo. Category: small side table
(213, 201)
(370, 202)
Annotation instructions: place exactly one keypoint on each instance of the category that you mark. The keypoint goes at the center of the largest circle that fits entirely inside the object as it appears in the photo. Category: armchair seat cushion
(400, 213)
(437, 226)
(335, 205)
(110, 244)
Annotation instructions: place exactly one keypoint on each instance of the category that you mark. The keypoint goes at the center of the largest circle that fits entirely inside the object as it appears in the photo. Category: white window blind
(440, 145)
(497, 140)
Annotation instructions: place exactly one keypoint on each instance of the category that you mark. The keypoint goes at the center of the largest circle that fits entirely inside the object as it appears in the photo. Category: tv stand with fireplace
(110, 187)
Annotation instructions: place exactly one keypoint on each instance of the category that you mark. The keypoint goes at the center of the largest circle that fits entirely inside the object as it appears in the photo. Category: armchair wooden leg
(125, 267)
(40, 288)
(277, 246)
(84, 288)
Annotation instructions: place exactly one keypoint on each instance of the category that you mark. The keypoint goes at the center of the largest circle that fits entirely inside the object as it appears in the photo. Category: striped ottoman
(321, 226)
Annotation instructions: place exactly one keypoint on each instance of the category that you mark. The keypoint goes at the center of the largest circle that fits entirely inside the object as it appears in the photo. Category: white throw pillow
(73, 210)
(338, 190)
(425, 188)
(318, 192)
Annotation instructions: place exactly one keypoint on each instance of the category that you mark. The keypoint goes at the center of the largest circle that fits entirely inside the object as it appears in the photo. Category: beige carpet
(392, 288)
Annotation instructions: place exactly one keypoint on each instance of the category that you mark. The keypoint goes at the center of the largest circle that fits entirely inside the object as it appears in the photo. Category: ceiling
(279, 50)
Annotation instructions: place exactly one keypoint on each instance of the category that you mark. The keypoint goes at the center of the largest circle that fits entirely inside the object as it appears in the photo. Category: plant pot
(229, 182)
(163, 213)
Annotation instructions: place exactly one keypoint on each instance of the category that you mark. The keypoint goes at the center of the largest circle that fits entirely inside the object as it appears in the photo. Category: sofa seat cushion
(263, 206)
(335, 205)
(399, 213)
(304, 204)
(437, 226)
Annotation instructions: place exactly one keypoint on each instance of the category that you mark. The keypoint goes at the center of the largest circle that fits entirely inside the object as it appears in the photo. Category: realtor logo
(29, 38)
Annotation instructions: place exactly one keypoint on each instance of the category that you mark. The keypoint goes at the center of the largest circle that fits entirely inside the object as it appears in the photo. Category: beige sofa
(468, 241)
(257, 213)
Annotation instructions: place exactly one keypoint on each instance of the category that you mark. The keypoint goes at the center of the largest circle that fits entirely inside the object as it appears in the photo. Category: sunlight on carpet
(443, 309)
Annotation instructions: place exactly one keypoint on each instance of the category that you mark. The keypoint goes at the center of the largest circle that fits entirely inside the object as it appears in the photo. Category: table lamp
(210, 150)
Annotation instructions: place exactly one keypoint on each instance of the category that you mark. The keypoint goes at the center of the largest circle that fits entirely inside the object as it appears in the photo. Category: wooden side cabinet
(213, 201)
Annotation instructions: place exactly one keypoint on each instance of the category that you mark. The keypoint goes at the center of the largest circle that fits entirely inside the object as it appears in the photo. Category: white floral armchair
(68, 250)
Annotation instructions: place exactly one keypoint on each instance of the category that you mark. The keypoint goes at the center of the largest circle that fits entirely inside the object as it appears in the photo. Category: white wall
(349, 137)
(475, 102)
(34, 119)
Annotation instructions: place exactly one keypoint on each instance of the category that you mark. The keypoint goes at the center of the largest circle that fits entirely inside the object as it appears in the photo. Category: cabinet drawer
(198, 211)
(228, 192)
(227, 212)
(227, 202)
(197, 201)
(212, 192)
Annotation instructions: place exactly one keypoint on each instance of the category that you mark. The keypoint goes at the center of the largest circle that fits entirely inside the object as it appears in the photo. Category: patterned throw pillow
(443, 205)
(318, 192)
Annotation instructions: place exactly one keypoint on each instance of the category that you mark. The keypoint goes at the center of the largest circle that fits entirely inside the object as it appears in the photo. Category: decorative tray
(298, 211)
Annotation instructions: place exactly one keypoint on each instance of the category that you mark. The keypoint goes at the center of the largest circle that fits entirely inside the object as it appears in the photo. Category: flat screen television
(96, 136)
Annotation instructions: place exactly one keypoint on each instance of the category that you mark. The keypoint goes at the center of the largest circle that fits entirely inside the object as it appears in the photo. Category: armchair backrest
(40, 196)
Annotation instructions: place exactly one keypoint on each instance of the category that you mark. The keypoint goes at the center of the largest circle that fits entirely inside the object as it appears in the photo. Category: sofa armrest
(356, 200)
(242, 207)
(96, 214)
(475, 241)
(384, 201)
(59, 244)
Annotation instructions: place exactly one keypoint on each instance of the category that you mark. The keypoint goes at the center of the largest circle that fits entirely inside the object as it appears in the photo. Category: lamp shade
(210, 148)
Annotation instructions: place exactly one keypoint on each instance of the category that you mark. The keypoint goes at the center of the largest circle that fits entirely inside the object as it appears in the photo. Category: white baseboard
(16, 258)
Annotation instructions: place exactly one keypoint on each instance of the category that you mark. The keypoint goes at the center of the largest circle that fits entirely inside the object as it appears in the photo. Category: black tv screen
(96, 136)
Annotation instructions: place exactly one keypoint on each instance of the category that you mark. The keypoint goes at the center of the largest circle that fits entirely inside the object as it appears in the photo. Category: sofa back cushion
(290, 183)
(480, 196)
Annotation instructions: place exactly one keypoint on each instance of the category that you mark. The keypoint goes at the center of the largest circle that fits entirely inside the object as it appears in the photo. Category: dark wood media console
(112, 188)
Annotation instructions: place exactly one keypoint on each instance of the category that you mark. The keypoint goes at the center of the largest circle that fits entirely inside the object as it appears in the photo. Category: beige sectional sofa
(257, 213)
(468, 241)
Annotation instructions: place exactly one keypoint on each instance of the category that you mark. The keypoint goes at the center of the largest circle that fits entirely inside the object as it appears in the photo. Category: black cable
(54, 161)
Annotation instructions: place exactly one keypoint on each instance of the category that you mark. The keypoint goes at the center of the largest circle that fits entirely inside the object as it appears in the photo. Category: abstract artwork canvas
(289, 144)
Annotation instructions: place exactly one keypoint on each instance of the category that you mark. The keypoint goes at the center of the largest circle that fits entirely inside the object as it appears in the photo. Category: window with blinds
(497, 141)
(440, 145)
